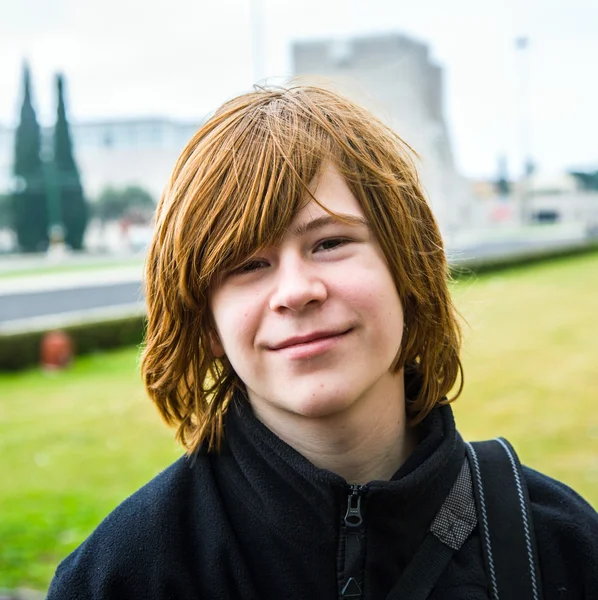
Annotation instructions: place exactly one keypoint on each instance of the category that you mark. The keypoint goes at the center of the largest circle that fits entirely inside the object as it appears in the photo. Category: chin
(319, 404)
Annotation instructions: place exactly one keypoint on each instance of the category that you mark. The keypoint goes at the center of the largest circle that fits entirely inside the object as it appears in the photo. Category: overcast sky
(180, 59)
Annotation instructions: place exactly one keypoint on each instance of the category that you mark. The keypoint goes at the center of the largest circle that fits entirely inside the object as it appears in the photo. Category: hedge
(22, 350)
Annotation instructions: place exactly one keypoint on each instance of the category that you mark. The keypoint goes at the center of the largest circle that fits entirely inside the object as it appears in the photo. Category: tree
(588, 180)
(29, 215)
(133, 201)
(5, 211)
(72, 205)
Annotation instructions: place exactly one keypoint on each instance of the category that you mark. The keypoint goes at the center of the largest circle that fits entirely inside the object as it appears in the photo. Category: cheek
(375, 298)
(374, 294)
(388, 313)
(236, 323)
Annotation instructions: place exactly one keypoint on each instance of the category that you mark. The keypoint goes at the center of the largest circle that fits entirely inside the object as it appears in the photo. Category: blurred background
(97, 101)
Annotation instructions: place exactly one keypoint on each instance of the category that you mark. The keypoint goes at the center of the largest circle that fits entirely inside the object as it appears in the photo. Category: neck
(369, 441)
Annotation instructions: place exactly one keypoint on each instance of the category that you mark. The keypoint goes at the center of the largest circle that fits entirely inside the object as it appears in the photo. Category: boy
(302, 338)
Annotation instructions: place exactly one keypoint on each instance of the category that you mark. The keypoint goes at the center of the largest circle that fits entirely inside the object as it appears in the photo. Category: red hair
(235, 188)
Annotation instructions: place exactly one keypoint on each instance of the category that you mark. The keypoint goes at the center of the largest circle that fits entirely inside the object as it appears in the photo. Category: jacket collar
(278, 485)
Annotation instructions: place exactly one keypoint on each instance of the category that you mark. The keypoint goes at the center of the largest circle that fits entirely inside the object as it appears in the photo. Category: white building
(115, 152)
(395, 77)
(558, 197)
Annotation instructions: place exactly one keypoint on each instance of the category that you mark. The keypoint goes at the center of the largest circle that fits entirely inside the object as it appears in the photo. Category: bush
(132, 202)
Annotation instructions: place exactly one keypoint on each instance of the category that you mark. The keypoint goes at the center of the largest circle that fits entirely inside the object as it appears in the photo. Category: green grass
(70, 267)
(531, 365)
(74, 444)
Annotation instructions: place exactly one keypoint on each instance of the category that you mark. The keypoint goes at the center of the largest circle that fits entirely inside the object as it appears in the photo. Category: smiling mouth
(310, 341)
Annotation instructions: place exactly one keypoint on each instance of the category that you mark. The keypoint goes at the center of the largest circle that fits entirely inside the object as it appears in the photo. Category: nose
(298, 285)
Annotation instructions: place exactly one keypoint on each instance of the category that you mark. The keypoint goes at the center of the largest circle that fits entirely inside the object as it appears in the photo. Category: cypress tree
(29, 213)
(73, 207)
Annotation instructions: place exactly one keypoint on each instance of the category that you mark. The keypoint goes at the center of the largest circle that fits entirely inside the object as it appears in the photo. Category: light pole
(257, 35)
(522, 48)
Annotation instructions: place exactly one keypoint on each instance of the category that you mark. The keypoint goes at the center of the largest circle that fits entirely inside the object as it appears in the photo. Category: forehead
(331, 194)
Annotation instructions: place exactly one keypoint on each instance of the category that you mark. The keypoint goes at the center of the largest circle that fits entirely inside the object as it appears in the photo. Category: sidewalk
(105, 275)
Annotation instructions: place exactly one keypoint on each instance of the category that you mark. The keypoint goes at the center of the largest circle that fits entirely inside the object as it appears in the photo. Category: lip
(302, 340)
(310, 346)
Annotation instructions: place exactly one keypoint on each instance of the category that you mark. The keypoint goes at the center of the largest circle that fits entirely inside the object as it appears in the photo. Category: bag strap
(506, 527)
(492, 474)
(452, 525)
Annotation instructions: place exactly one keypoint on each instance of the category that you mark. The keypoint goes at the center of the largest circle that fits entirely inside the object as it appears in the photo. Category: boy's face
(312, 325)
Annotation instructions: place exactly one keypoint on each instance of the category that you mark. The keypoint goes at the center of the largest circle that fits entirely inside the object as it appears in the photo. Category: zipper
(353, 546)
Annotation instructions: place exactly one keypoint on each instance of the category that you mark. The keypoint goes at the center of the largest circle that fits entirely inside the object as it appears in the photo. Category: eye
(330, 244)
(250, 266)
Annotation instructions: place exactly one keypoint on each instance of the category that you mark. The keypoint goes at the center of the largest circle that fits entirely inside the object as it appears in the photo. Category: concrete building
(115, 152)
(545, 197)
(559, 197)
(395, 77)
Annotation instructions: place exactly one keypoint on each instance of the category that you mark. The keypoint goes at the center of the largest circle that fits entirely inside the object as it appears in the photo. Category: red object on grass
(56, 351)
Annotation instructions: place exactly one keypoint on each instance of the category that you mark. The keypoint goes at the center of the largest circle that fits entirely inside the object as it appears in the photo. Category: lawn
(531, 365)
(77, 443)
(74, 444)
(46, 268)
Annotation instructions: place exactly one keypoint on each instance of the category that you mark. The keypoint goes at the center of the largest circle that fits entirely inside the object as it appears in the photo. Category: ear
(216, 345)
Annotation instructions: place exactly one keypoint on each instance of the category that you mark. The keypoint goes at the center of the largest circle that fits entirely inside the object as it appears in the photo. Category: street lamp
(257, 40)
(522, 47)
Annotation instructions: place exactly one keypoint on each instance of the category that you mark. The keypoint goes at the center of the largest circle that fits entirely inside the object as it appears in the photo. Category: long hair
(236, 188)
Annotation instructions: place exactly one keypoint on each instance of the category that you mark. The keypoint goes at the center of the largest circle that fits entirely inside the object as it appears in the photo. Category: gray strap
(457, 517)
(453, 524)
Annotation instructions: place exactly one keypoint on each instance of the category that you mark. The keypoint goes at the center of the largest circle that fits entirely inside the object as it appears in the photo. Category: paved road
(53, 302)
(26, 303)
(494, 250)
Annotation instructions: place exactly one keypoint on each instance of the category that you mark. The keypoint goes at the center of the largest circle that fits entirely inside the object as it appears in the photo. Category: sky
(181, 59)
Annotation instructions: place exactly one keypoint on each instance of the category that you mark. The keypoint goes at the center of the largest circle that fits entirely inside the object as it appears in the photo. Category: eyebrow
(323, 221)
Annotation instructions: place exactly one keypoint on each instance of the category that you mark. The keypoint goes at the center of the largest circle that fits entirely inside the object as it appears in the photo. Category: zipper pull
(353, 517)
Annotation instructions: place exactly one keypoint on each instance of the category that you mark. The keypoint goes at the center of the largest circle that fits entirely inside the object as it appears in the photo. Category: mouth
(304, 340)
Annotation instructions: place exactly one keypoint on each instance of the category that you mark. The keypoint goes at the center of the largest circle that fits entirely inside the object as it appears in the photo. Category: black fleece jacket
(259, 521)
